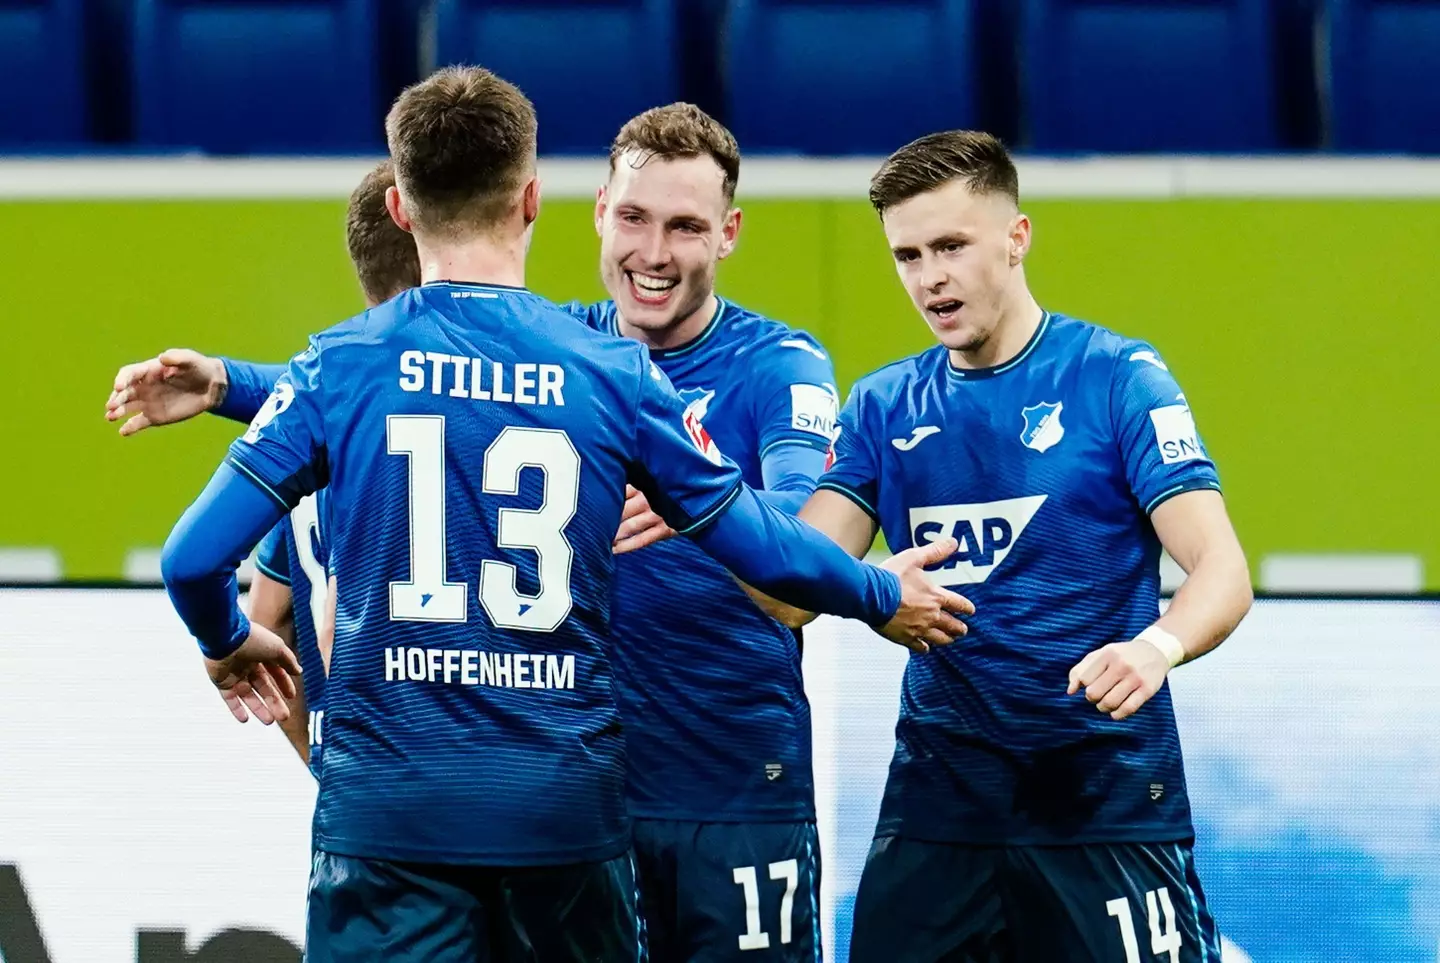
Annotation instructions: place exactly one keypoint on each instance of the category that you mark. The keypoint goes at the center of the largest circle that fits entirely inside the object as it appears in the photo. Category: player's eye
(904, 257)
(954, 247)
(632, 218)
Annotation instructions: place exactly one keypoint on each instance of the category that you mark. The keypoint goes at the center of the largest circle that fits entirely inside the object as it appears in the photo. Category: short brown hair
(384, 255)
(676, 131)
(977, 158)
(463, 143)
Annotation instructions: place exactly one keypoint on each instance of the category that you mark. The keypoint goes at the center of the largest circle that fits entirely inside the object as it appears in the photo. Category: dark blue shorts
(373, 910)
(743, 892)
(924, 902)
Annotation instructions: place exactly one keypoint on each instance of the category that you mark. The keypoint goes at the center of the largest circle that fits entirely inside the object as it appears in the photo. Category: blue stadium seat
(256, 77)
(847, 76)
(588, 65)
(42, 78)
(1148, 75)
(1383, 61)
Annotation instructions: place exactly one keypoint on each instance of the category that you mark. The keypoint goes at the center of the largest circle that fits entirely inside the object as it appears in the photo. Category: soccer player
(288, 592)
(719, 783)
(474, 436)
(719, 759)
(1036, 806)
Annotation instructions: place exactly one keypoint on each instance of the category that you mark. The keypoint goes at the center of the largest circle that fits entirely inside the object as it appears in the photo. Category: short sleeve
(283, 451)
(1156, 431)
(273, 554)
(796, 402)
(854, 468)
(676, 463)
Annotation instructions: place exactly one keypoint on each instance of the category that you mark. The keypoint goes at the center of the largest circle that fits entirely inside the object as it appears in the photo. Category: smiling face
(664, 224)
(956, 253)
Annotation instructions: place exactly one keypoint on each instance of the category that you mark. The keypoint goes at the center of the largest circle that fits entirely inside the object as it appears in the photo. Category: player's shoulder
(755, 334)
(1086, 341)
(892, 382)
(595, 315)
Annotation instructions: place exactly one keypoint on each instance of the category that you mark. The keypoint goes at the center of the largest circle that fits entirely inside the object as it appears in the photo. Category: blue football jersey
(296, 554)
(476, 441)
(728, 739)
(1045, 469)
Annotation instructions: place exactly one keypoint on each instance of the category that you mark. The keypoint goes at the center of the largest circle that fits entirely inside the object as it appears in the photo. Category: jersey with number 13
(476, 441)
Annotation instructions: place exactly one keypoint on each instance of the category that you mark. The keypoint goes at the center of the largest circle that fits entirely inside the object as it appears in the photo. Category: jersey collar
(721, 307)
(976, 374)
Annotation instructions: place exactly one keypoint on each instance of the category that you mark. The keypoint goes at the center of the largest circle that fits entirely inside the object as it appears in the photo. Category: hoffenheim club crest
(1042, 425)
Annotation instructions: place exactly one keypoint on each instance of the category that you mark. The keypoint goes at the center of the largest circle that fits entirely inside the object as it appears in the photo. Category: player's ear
(530, 200)
(600, 204)
(730, 232)
(1020, 236)
(396, 206)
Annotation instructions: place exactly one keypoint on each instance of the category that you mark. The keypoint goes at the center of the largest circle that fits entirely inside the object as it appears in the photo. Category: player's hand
(639, 525)
(1120, 677)
(925, 615)
(179, 384)
(258, 676)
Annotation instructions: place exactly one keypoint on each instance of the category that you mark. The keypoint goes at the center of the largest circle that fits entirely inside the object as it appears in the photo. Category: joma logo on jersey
(986, 532)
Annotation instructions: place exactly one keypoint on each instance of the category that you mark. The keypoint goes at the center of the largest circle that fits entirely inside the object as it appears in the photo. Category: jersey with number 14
(476, 441)
(1045, 469)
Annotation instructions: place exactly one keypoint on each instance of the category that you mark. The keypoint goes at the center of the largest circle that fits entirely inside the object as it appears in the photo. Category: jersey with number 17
(476, 441)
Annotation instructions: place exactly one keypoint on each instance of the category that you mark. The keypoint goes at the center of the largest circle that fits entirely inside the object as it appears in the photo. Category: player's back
(1044, 469)
(478, 443)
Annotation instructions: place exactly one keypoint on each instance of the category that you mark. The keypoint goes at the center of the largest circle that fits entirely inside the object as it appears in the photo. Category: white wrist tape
(1169, 646)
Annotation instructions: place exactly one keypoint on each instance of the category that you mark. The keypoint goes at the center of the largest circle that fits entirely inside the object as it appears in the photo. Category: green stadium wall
(1300, 330)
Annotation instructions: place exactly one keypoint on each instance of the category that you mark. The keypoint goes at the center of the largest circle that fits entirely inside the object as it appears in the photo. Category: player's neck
(1017, 325)
(675, 336)
(481, 260)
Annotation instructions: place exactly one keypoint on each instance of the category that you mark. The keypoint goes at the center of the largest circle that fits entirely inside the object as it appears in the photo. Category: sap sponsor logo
(1175, 434)
(1043, 429)
(508, 670)
(279, 401)
(814, 408)
(987, 532)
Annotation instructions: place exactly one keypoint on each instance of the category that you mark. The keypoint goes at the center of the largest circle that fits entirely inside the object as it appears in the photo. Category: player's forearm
(203, 551)
(790, 473)
(1211, 602)
(248, 385)
(792, 562)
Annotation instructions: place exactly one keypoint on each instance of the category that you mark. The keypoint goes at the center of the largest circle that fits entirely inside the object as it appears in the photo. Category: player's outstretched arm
(1195, 529)
(845, 523)
(789, 560)
(251, 666)
(180, 384)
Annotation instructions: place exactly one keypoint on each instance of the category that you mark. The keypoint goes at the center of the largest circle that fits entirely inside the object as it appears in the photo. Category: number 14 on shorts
(1164, 936)
(754, 938)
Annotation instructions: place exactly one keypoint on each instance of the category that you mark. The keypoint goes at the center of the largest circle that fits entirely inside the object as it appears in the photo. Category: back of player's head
(463, 143)
(384, 255)
(931, 162)
(677, 131)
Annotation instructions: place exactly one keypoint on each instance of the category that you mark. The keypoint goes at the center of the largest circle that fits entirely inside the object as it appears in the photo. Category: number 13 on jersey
(428, 596)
